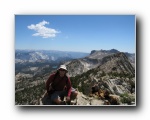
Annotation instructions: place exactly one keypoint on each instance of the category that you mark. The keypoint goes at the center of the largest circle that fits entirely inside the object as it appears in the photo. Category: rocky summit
(98, 58)
(114, 74)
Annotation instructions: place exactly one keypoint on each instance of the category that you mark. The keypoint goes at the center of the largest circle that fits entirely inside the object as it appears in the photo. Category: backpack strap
(54, 78)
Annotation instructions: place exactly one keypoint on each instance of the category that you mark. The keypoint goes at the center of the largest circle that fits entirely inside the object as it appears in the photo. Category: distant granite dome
(93, 51)
(113, 51)
(105, 51)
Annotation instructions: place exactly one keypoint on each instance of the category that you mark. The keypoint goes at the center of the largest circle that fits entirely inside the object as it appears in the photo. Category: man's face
(62, 72)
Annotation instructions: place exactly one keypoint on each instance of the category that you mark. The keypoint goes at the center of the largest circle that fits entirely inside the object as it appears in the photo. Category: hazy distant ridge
(51, 55)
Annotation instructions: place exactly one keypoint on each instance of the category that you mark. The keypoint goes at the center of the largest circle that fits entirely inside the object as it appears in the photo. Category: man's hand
(50, 88)
(67, 98)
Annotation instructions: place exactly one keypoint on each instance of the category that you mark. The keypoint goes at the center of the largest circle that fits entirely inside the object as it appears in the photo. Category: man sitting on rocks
(58, 86)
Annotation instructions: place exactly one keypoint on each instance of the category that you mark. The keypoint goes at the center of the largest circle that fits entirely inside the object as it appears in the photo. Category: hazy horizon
(67, 51)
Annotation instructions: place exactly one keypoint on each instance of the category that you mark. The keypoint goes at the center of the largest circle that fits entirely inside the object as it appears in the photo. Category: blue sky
(81, 33)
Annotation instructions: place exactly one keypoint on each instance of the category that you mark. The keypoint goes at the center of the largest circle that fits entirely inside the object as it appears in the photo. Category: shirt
(59, 83)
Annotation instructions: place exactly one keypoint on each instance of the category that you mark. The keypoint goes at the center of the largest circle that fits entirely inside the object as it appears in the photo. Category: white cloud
(43, 31)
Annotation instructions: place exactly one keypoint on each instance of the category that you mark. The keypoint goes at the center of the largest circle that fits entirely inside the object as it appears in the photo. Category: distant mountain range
(50, 55)
(54, 55)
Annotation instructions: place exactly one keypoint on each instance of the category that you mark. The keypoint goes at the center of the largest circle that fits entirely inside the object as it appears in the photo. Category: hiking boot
(63, 103)
(68, 103)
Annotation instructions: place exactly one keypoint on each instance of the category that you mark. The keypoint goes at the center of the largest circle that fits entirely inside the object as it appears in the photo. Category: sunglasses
(62, 70)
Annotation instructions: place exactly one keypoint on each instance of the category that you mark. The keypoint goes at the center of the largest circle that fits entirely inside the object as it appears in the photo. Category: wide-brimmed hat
(63, 67)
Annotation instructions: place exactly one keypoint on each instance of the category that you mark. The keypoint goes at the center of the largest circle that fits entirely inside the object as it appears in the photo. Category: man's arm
(69, 87)
(49, 81)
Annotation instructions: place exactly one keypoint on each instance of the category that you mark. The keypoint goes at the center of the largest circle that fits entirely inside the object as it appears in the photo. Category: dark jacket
(59, 83)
